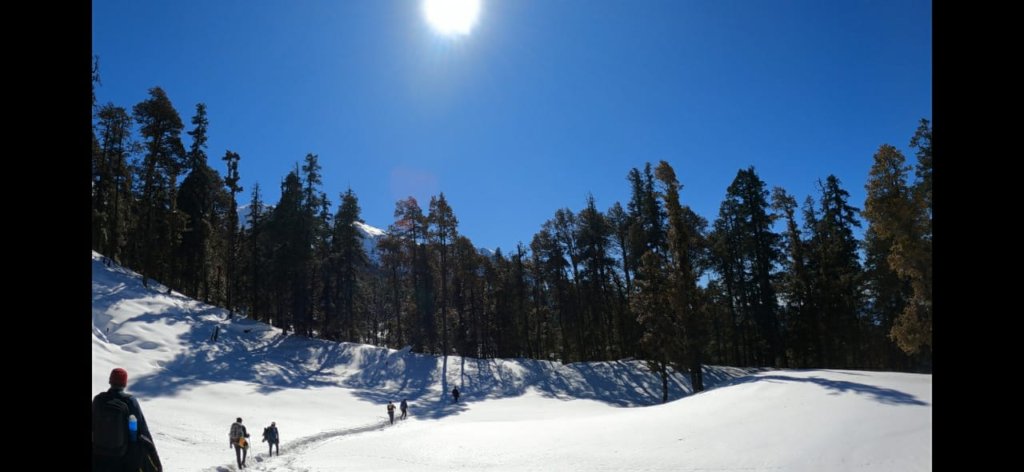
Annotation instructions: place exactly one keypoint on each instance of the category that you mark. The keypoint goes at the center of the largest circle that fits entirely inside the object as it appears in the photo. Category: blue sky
(542, 103)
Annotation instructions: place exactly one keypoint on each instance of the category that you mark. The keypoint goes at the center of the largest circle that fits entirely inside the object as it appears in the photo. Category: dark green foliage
(289, 241)
(593, 236)
(410, 227)
(745, 255)
(646, 280)
(836, 285)
(796, 319)
(111, 181)
(158, 222)
(232, 254)
(347, 264)
(204, 203)
(257, 246)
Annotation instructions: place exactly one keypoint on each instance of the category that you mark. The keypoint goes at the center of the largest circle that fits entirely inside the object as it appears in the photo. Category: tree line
(768, 282)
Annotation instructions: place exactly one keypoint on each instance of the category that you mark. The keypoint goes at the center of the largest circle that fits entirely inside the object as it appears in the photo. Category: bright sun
(451, 17)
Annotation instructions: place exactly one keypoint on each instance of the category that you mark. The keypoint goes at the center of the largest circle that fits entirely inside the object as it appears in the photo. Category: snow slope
(329, 399)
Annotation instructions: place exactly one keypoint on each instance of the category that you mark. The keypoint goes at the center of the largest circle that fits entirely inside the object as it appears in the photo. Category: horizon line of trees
(650, 279)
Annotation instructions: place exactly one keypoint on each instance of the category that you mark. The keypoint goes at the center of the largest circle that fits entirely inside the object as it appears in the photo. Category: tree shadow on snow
(253, 352)
(242, 353)
(883, 395)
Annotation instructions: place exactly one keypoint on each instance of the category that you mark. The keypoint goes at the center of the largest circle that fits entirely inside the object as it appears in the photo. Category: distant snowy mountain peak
(370, 236)
(245, 214)
(370, 231)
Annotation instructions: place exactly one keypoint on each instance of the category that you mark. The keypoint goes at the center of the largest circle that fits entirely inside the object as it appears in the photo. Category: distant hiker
(271, 437)
(405, 409)
(455, 394)
(120, 435)
(216, 332)
(238, 439)
(391, 412)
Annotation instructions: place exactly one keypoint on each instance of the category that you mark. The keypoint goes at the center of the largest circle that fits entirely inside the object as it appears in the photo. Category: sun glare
(451, 17)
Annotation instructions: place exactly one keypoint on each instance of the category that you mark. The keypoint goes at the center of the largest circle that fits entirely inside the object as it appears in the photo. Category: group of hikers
(121, 440)
(238, 438)
(391, 410)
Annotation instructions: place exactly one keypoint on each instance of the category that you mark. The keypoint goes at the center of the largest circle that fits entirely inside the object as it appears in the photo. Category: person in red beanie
(118, 442)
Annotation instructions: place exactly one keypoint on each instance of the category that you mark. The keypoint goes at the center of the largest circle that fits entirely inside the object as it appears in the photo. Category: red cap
(118, 377)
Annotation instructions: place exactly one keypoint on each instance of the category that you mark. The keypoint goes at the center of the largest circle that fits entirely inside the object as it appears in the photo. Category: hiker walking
(391, 411)
(238, 438)
(120, 435)
(271, 437)
(455, 394)
(405, 409)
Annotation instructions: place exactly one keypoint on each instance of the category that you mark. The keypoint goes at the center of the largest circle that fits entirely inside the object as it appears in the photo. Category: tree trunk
(664, 382)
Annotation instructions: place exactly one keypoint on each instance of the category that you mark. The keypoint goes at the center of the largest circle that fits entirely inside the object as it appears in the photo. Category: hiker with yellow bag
(238, 438)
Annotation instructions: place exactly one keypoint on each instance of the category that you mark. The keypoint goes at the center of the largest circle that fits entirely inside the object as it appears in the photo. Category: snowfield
(328, 400)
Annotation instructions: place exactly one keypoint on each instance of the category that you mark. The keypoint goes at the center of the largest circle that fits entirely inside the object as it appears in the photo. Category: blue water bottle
(133, 427)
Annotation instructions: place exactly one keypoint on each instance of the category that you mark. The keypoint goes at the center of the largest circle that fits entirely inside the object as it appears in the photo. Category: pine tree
(886, 298)
(316, 227)
(197, 200)
(593, 237)
(159, 225)
(648, 231)
(112, 181)
(900, 215)
(626, 327)
(288, 236)
(798, 320)
(411, 226)
(746, 250)
(661, 340)
(347, 246)
(394, 266)
(836, 283)
(466, 293)
(683, 299)
(551, 267)
(442, 232)
(231, 256)
(257, 256)
(563, 228)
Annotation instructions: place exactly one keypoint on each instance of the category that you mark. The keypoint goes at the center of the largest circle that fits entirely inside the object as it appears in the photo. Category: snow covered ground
(328, 400)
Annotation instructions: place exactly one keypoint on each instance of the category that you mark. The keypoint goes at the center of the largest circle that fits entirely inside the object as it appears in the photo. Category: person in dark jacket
(238, 438)
(405, 409)
(271, 437)
(455, 394)
(138, 453)
(391, 412)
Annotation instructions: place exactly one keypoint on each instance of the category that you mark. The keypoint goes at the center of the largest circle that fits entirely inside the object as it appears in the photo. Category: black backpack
(110, 425)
